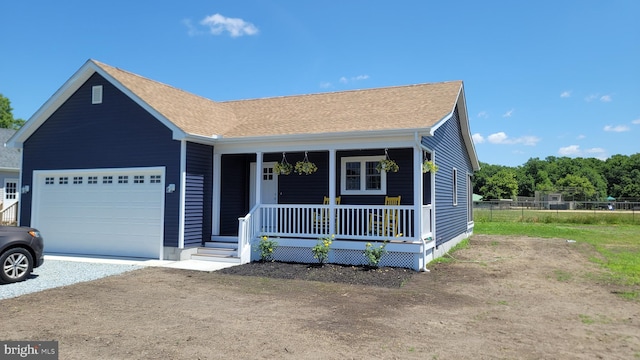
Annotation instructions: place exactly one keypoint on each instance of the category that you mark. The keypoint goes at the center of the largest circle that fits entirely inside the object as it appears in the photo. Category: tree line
(7, 120)
(583, 179)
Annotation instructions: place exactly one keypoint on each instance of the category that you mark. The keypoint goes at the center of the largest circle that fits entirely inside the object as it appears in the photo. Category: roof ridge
(381, 88)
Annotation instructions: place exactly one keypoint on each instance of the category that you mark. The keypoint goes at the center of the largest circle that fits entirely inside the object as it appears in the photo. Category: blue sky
(543, 78)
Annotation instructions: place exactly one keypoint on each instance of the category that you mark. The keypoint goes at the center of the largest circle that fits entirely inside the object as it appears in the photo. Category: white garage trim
(110, 211)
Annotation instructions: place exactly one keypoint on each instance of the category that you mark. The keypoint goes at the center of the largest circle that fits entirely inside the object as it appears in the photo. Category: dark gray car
(21, 250)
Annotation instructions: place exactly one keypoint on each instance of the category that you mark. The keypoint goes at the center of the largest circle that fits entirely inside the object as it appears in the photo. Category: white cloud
(636, 122)
(617, 128)
(483, 115)
(508, 113)
(591, 97)
(217, 24)
(477, 138)
(595, 151)
(345, 80)
(325, 85)
(569, 150)
(502, 138)
(574, 150)
(565, 94)
(581, 136)
(605, 98)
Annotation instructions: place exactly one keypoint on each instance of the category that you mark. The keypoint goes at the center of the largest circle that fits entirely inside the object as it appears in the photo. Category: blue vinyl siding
(198, 194)
(450, 153)
(117, 133)
(304, 189)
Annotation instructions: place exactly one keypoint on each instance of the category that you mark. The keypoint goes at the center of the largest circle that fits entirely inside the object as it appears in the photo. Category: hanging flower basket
(282, 167)
(387, 165)
(305, 167)
(429, 166)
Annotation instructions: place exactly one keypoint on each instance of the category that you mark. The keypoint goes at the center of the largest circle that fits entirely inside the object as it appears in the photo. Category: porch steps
(220, 251)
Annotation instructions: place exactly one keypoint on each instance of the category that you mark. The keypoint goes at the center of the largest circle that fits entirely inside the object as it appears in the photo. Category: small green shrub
(321, 249)
(374, 254)
(266, 247)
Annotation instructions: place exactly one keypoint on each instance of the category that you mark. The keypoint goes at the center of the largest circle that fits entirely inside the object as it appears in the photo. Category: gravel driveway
(56, 273)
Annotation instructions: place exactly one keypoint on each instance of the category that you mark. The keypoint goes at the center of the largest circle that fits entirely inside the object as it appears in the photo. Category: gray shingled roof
(9, 157)
(403, 107)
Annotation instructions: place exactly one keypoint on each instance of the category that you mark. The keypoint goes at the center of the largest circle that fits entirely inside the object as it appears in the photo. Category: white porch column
(417, 190)
(332, 191)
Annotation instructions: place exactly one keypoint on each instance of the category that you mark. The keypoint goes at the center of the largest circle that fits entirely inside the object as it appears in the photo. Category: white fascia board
(200, 139)
(466, 130)
(461, 105)
(318, 142)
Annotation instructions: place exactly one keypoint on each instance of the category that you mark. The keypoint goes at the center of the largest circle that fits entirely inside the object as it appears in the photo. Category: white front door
(268, 185)
(10, 192)
(268, 194)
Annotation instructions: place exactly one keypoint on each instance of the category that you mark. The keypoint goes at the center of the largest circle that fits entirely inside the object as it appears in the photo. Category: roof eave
(333, 135)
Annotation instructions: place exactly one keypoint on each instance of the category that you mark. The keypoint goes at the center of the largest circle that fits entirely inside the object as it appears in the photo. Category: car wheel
(16, 265)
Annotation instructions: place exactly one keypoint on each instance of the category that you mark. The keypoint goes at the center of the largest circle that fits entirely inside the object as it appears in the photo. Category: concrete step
(220, 245)
(216, 258)
(221, 251)
(224, 239)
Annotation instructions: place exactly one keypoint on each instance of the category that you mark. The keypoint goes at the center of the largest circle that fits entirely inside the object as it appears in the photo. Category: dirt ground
(504, 298)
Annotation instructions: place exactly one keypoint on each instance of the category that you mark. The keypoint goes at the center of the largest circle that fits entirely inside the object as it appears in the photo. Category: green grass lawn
(619, 245)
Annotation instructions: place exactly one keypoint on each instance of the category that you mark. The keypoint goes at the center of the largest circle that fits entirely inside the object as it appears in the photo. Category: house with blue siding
(115, 164)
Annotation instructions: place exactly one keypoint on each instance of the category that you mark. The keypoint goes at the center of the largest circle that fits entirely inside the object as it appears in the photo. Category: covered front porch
(289, 209)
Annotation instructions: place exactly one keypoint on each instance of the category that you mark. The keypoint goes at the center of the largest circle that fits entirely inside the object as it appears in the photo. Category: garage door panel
(101, 212)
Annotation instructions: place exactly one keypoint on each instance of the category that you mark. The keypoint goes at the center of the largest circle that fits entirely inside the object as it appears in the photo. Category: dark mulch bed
(355, 275)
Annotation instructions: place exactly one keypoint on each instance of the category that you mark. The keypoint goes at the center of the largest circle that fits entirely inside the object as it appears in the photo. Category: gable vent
(96, 94)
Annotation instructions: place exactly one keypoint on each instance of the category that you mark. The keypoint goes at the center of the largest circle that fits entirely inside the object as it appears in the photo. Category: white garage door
(113, 212)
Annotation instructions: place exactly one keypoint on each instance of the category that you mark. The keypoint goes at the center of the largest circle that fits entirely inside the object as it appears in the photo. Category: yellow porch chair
(321, 219)
(387, 223)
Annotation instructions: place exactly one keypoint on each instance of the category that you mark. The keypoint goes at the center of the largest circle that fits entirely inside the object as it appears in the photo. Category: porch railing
(349, 222)
(9, 215)
(247, 230)
(363, 222)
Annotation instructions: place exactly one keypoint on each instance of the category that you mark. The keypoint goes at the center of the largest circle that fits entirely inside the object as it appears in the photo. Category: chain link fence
(585, 212)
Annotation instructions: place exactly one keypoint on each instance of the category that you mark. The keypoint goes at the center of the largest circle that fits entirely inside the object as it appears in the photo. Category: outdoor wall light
(25, 189)
(171, 188)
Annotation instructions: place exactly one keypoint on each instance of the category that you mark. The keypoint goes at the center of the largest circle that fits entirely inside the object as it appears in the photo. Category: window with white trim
(360, 177)
(92, 179)
(63, 180)
(123, 179)
(77, 180)
(107, 179)
(155, 179)
(49, 181)
(454, 183)
(138, 179)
